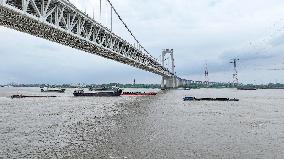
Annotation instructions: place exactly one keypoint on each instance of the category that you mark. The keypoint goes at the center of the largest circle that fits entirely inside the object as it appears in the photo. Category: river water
(162, 126)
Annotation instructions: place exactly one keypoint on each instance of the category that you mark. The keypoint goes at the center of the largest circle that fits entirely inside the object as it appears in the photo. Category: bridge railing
(76, 29)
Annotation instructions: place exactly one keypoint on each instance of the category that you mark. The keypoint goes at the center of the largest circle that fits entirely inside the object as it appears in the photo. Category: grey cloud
(277, 41)
(214, 2)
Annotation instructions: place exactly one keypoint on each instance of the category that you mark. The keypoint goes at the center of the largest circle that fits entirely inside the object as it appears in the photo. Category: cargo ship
(139, 94)
(98, 89)
(114, 91)
(57, 90)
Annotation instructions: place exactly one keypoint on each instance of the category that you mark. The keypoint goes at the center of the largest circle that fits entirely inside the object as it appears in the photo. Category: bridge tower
(171, 82)
(206, 75)
(235, 74)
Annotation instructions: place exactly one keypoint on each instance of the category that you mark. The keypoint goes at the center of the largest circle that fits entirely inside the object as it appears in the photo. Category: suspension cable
(119, 17)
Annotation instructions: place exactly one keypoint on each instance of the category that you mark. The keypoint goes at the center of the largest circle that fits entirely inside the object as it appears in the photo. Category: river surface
(162, 126)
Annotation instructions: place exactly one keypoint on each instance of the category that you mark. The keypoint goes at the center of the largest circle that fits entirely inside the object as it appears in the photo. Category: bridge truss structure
(61, 22)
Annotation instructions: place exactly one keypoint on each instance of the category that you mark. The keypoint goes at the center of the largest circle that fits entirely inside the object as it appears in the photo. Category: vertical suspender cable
(106, 14)
(129, 29)
(101, 10)
(93, 14)
(111, 18)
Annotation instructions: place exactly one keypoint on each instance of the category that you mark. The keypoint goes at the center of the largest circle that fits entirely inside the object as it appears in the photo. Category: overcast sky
(199, 31)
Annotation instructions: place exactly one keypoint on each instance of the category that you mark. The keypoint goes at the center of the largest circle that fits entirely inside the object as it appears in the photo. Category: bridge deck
(61, 22)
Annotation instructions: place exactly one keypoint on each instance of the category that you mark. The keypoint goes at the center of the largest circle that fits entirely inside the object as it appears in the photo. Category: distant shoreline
(151, 86)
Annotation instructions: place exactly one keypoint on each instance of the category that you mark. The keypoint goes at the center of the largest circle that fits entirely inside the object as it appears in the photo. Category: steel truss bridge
(61, 22)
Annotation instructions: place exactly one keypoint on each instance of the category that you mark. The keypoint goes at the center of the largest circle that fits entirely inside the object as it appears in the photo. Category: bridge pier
(174, 82)
(169, 83)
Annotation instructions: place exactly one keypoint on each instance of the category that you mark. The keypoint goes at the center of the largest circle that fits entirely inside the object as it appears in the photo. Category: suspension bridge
(62, 22)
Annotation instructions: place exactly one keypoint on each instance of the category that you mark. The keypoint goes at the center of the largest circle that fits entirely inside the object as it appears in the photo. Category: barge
(57, 90)
(24, 96)
(208, 99)
(247, 89)
(139, 94)
(114, 91)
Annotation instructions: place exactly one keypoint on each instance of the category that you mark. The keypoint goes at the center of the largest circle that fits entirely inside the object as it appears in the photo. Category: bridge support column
(169, 83)
(163, 83)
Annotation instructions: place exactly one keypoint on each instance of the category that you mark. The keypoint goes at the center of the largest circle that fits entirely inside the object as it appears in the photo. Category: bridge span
(61, 22)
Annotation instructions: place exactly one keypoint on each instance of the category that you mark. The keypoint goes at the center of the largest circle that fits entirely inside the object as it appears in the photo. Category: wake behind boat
(114, 91)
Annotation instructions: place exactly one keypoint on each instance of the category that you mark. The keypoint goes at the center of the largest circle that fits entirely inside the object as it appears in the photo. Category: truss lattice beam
(60, 21)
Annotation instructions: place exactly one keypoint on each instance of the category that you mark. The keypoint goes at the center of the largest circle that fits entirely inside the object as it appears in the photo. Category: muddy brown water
(161, 126)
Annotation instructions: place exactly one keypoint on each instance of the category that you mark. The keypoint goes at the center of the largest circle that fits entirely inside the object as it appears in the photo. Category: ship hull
(247, 89)
(139, 94)
(54, 91)
(110, 93)
(99, 94)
